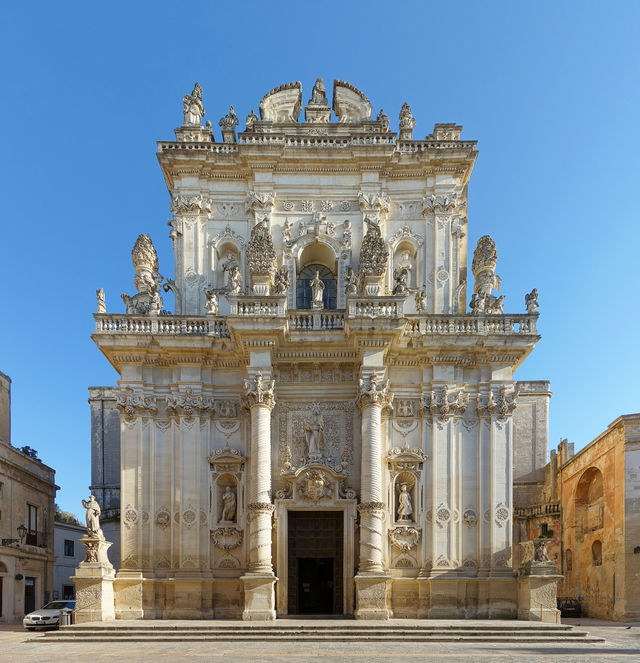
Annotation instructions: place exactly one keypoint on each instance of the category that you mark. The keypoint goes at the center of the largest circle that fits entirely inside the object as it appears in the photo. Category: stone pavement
(622, 644)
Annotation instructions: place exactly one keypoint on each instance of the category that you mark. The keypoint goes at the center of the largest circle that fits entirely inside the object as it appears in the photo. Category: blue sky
(549, 89)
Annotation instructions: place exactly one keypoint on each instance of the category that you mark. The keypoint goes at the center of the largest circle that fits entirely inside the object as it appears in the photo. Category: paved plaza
(622, 643)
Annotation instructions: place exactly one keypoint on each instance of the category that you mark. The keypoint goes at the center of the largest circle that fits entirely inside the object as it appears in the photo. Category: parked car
(569, 607)
(47, 617)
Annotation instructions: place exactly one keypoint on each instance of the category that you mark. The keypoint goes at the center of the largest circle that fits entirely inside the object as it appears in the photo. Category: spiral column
(373, 398)
(260, 579)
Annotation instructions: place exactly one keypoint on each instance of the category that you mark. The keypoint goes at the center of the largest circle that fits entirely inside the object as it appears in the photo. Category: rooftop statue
(407, 122)
(192, 106)
(147, 279)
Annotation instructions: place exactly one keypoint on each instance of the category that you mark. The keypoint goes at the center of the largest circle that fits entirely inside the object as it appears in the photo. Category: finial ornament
(147, 279)
(407, 122)
(483, 267)
(192, 106)
(229, 123)
(261, 258)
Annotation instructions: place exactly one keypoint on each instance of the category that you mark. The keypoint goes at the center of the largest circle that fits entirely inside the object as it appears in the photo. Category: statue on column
(93, 517)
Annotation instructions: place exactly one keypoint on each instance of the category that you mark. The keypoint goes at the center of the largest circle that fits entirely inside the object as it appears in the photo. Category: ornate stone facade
(373, 405)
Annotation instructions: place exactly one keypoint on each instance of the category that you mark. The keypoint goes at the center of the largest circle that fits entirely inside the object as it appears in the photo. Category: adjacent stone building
(588, 505)
(321, 426)
(27, 494)
(69, 552)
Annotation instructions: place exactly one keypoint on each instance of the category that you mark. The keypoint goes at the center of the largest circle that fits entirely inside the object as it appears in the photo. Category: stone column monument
(260, 580)
(94, 576)
(537, 583)
(371, 580)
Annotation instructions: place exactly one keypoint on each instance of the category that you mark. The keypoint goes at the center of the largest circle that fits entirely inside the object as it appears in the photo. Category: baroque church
(328, 421)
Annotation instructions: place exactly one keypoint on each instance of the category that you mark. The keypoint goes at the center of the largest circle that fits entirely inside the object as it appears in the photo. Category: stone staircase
(285, 630)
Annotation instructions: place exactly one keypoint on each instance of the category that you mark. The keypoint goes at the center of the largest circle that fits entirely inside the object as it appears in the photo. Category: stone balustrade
(373, 307)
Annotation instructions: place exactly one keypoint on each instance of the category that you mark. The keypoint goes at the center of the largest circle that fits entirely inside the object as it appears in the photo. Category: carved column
(260, 579)
(370, 586)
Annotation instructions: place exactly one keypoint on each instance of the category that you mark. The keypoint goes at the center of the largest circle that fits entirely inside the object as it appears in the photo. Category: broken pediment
(350, 104)
(282, 104)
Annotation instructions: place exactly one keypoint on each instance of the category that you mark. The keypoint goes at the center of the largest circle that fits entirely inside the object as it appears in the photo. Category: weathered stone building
(27, 494)
(588, 505)
(321, 426)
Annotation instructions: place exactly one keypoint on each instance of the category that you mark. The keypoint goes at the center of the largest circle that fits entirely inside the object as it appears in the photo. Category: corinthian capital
(446, 402)
(188, 404)
(443, 203)
(259, 393)
(372, 393)
(194, 204)
(260, 204)
(135, 404)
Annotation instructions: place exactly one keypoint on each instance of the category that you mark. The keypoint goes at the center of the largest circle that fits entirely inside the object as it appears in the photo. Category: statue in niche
(351, 282)
(93, 517)
(401, 280)
(314, 433)
(531, 301)
(228, 505)
(234, 278)
(102, 307)
(212, 301)
(192, 106)
(405, 508)
(317, 288)
(281, 281)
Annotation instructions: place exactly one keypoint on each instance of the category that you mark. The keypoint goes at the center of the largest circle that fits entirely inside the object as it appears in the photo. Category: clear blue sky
(549, 89)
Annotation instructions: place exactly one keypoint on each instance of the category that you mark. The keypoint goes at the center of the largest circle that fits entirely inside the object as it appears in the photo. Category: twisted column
(373, 398)
(260, 400)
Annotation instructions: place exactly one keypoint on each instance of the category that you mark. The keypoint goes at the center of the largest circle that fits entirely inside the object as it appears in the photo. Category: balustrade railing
(314, 320)
(374, 307)
(470, 324)
(107, 323)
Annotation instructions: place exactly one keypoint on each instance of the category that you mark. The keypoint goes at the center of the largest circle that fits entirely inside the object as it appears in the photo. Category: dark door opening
(29, 595)
(315, 585)
(315, 552)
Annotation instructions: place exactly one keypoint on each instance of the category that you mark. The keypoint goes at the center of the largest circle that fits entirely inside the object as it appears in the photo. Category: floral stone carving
(147, 279)
(261, 258)
(227, 538)
(374, 253)
(404, 538)
(483, 267)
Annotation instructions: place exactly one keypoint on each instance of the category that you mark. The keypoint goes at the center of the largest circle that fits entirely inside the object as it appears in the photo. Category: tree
(66, 517)
(29, 451)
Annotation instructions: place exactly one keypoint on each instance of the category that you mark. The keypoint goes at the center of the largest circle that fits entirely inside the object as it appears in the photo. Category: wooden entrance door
(315, 562)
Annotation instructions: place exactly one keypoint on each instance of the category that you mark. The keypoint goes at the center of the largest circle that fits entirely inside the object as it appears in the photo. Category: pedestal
(259, 597)
(371, 597)
(94, 583)
(537, 598)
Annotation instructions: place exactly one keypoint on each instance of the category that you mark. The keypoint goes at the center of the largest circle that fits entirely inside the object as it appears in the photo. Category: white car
(47, 617)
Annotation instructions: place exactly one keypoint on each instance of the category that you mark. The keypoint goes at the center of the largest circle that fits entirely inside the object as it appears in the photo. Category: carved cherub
(281, 281)
(531, 301)
(212, 301)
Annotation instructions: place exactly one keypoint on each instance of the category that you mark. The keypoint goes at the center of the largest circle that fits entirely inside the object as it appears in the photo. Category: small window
(568, 557)
(68, 592)
(69, 548)
(32, 525)
(544, 530)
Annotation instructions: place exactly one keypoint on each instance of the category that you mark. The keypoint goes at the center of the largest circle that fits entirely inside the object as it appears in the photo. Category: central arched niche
(320, 257)
(589, 501)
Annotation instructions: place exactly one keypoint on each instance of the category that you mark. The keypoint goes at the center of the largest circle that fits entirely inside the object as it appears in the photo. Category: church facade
(321, 426)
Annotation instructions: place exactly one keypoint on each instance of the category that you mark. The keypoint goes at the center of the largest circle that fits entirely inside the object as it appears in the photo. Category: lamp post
(22, 532)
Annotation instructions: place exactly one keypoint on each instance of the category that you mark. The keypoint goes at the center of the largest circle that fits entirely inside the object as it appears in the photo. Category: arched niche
(404, 482)
(226, 484)
(589, 501)
(596, 553)
(318, 250)
(405, 254)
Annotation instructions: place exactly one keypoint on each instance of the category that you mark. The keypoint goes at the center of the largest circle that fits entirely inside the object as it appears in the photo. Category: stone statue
(212, 301)
(351, 282)
(531, 301)
(317, 288)
(314, 433)
(93, 517)
(228, 505)
(192, 106)
(407, 122)
(319, 95)
(147, 279)
(102, 307)
(383, 118)
(234, 278)
(281, 281)
(405, 508)
(421, 301)
(401, 279)
(540, 550)
(286, 231)
(252, 118)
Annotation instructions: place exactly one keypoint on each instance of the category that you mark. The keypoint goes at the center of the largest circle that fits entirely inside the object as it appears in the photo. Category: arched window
(596, 553)
(303, 287)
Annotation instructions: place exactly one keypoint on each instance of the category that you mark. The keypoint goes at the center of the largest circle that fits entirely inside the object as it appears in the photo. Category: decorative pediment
(316, 483)
(350, 104)
(282, 104)
(227, 460)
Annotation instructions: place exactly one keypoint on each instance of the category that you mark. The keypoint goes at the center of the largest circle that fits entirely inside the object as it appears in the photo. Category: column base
(94, 594)
(372, 597)
(259, 597)
(537, 599)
